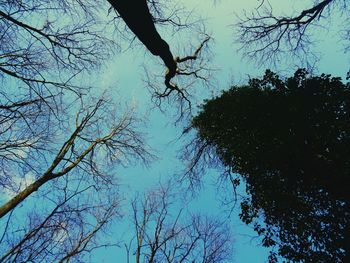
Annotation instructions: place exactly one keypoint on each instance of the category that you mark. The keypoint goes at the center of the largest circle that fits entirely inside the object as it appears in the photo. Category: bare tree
(266, 36)
(67, 229)
(58, 145)
(43, 51)
(71, 185)
(40, 58)
(46, 53)
(163, 234)
(41, 55)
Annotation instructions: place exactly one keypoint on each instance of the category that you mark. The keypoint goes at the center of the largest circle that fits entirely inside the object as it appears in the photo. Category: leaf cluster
(289, 140)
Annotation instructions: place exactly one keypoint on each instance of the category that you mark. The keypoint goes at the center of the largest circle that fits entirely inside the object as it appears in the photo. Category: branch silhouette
(137, 16)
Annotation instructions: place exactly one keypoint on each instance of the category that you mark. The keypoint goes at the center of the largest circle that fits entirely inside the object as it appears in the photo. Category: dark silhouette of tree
(137, 16)
(289, 140)
(266, 37)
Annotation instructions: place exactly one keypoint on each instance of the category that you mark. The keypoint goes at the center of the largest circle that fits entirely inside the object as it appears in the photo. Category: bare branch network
(39, 51)
(266, 37)
(83, 163)
(59, 147)
(193, 68)
(164, 236)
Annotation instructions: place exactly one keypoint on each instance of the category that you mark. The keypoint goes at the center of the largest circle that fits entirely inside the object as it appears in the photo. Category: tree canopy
(61, 143)
(289, 140)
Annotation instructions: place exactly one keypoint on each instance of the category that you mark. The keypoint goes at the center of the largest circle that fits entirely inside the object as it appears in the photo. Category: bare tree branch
(265, 37)
(119, 138)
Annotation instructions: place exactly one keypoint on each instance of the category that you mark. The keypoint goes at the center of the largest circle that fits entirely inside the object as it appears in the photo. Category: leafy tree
(289, 140)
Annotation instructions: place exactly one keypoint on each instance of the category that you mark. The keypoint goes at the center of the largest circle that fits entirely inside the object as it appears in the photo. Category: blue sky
(123, 77)
(124, 73)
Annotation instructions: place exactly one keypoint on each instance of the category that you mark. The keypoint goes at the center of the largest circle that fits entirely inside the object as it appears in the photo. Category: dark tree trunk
(138, 18)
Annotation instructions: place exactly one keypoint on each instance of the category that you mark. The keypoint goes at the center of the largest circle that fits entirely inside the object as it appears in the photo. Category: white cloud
(17, 185)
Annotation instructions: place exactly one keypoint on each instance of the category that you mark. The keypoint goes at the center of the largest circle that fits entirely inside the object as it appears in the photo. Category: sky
(123, 76)
(124, 73)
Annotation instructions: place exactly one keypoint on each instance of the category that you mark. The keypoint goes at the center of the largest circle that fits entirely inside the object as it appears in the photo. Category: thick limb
(138, 18)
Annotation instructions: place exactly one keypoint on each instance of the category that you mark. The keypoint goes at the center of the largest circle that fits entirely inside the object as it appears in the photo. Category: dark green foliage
(290, 142)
